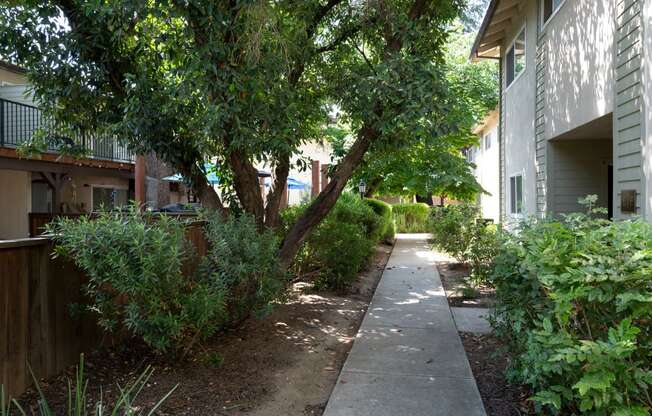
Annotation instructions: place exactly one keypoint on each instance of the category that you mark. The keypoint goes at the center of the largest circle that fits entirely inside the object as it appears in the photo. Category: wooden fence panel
(36, 324)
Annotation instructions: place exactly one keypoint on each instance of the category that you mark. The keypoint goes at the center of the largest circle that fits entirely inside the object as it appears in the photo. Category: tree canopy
(240, 81)
(433, 163)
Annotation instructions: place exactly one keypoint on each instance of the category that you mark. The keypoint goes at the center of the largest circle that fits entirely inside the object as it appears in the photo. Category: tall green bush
(574, 307)
(134, 267)
(411, 218)
(243, 263)
(136, 280)
(460, 231)
(387, 227)
(339, 247)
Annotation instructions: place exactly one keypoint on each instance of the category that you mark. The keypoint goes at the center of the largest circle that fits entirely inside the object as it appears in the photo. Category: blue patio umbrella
(211, 175)
(292, 184)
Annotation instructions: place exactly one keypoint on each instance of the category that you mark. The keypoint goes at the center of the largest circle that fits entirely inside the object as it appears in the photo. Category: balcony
(19, 122)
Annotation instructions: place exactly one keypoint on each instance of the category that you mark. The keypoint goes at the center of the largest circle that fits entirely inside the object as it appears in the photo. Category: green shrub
(411, 218)
(460, 231)
(136, 280)
(134, 267)
(574, 307)
(243, 263)
(78, 404)
(340, 245)
(387, 228)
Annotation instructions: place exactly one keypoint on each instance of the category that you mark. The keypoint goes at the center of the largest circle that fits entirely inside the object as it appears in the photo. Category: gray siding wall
(540, 126)
(628, 173)
(576, 172)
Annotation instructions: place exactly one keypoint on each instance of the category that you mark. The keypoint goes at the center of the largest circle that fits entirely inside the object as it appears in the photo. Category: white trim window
(548, 10)
(516, 194)
(487, 141)
(515, 58)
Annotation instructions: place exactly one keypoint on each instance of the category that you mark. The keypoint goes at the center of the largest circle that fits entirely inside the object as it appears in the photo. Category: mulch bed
(284, 364)
(488, 364)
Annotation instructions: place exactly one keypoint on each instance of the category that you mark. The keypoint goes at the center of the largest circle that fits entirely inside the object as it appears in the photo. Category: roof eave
(483, 28)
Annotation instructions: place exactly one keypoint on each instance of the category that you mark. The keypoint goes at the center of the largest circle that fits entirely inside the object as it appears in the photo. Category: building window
(516, 194)
(106, 198)
(515, 58)
(487, 141)
(548, 9)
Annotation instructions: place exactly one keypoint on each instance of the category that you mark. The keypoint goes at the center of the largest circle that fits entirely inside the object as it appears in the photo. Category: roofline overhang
(13, 68)
(483, 29)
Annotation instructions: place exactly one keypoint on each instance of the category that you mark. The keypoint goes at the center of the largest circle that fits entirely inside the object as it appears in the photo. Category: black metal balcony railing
(19, 122)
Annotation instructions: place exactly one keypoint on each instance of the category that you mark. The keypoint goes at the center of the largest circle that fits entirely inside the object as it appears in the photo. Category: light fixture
(362, 187)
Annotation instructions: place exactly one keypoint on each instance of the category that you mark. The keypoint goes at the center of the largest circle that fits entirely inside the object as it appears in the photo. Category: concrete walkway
(407, 358)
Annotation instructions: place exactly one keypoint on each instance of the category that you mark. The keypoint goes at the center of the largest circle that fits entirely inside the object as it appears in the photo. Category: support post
(315, 179)
(139, 179)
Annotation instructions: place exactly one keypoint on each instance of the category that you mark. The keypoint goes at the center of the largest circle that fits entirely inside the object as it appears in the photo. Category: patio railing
(19, 122)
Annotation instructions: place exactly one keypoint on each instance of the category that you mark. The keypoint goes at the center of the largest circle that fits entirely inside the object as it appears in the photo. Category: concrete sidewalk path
(407, 358)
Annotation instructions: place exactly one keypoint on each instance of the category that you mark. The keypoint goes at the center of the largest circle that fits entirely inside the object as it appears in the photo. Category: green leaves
(574, 308)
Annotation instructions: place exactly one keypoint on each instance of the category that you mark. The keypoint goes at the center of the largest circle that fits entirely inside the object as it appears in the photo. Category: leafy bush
(243, 263)
(387, 228)
(460, 231)
(411, 218)
(575, 306)
(136, 280)
(78, 404)
(340, 245)
(134, 267)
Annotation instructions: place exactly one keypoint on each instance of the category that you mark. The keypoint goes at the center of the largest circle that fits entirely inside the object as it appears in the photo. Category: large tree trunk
(202, 189)
(247, 186)
(272, 209)
(325, 201)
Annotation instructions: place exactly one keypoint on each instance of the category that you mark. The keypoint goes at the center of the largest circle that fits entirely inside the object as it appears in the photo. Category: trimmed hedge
(411, 218)
(387, 227)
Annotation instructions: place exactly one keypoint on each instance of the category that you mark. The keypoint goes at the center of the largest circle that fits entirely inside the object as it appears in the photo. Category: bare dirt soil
(284, 364)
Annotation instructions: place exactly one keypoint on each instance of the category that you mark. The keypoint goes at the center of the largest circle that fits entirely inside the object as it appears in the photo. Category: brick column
(139, 180)
(324, 175)
(315, 178)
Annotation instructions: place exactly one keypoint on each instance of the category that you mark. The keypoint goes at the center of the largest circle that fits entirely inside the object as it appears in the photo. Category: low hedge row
(411, 218)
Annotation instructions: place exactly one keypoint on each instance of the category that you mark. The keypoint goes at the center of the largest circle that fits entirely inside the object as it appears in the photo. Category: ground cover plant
(78, 401)
(411, 218)
(574, 303)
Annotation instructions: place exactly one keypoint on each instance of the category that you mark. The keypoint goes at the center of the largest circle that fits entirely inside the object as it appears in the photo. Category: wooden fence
(36, 324)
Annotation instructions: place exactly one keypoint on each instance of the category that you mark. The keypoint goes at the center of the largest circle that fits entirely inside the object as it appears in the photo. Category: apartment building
(575, 115)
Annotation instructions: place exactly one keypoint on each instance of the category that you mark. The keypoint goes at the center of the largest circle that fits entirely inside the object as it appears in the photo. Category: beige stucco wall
(518, 114)
(487, 169)
(77, 192)
(15, 203)
(11, 77)
(580, 73)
